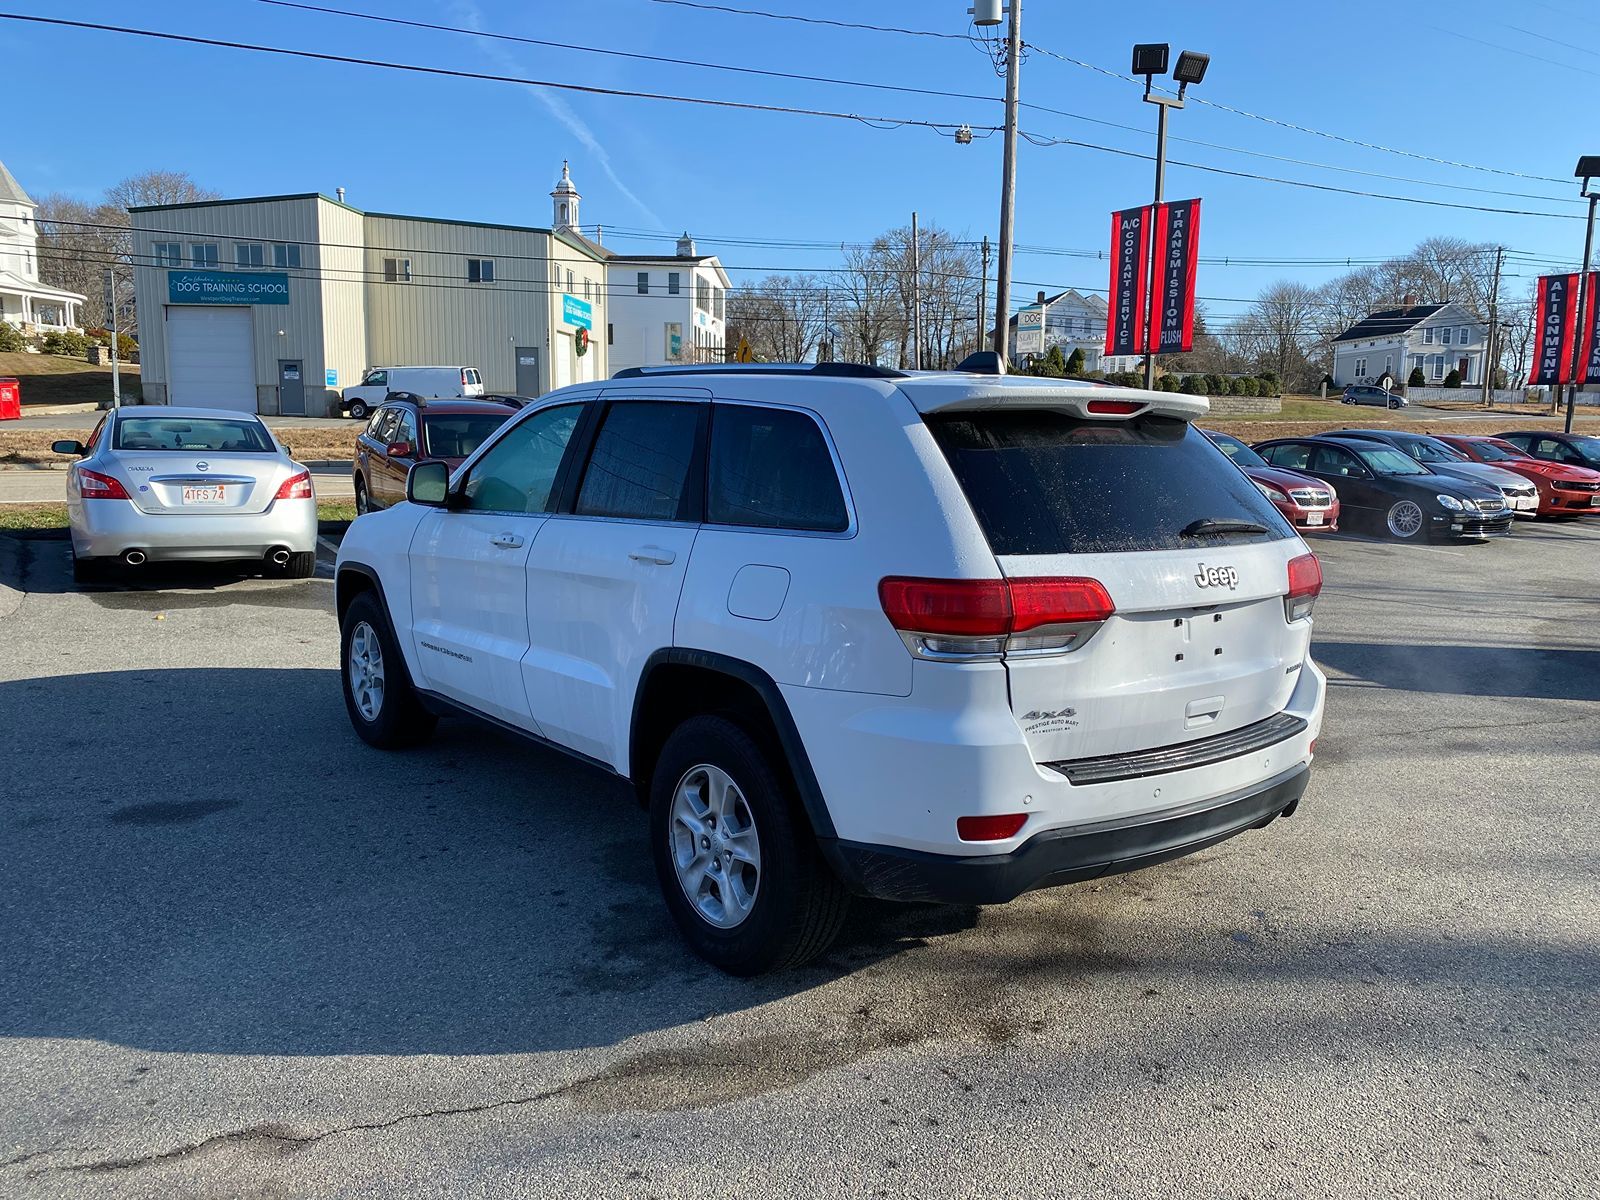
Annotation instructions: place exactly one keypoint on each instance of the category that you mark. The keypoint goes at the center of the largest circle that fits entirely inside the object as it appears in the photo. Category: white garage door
(210, 357)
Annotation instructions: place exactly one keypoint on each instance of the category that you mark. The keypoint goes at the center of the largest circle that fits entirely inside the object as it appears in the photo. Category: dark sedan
(1443, 459)
(1387, 490)
(1574, 449)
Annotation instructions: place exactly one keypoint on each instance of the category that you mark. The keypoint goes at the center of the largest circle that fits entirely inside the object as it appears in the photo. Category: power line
(944, 127)
(1034, 47)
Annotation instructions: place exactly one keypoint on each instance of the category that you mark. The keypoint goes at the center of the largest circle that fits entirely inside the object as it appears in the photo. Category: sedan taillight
(94, 486)
(296, 487)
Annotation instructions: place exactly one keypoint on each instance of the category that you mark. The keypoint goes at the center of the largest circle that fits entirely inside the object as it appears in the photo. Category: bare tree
(866, 316)
(781, 317)
(78, 240)
(1280, 332)
(1514, 341)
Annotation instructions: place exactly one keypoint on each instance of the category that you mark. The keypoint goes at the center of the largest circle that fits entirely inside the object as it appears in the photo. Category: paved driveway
(244, 955)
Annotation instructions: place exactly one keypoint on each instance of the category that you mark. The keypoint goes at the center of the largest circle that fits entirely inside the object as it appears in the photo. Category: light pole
(1588, 168)
(1150, 60)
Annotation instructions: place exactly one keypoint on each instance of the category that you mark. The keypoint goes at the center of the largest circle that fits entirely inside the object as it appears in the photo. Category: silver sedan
(193, 484)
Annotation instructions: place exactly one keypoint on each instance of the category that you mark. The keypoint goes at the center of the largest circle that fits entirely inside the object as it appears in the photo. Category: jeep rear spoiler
(1088, 401)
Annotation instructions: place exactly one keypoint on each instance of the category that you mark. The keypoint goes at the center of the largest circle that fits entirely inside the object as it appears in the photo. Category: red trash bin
(10, 400)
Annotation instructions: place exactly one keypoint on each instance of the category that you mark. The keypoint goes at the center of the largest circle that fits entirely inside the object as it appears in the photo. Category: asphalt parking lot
(245, 955)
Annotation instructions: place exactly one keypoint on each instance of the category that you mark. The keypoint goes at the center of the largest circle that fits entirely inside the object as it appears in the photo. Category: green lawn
(49, 379)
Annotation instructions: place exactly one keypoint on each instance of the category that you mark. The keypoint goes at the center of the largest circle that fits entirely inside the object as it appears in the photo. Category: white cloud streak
(468, 14)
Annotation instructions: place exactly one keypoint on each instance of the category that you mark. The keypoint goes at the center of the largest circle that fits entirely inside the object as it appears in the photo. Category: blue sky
(1494, 84)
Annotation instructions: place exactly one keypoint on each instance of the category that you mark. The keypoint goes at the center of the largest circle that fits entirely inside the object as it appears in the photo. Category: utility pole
(916, 298)
(1584, 300)
(983, 291)
(116, 372)
(1008, 178)
(1494, 312)
(827, 344)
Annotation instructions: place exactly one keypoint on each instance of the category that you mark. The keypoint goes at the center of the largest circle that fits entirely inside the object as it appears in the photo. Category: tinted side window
(518, 473)
(770, 469)
(1045, 482)
(385, 423)
(405, 429)
(642, 461)
(1294, 456)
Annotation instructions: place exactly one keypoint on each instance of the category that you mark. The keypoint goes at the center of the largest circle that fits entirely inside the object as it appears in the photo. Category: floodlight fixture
(1191, 67)
(1150, 58)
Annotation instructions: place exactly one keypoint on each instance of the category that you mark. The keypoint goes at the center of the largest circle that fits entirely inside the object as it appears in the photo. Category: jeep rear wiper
(1213, 526)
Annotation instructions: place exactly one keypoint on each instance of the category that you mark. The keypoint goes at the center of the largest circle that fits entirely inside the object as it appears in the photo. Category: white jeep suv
(929, 636)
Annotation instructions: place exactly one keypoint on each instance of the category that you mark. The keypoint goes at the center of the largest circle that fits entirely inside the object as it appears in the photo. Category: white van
(432, 383)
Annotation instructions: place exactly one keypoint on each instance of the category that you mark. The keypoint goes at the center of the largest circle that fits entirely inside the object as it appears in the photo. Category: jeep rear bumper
(1059, 856)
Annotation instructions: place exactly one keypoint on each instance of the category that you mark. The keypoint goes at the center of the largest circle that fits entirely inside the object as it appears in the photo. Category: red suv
(1564, 489)
(1310, 505)
(406, 429)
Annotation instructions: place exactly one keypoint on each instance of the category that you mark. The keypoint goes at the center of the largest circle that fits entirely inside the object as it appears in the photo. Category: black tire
(357, 410)
(799, 904)
(363, 504)
(398, 721)
(1394, 405)
(302, 564)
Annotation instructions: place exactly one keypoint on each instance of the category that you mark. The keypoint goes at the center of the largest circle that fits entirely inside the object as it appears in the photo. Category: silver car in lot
(187, 484)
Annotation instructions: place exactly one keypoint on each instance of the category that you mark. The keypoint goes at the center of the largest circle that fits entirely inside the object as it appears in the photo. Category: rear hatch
(1193, 557)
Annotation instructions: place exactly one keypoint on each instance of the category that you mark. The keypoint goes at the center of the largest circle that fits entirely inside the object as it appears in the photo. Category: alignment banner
(1557, 314)
(1130, 268)
(1177, 244)
(1589, 358)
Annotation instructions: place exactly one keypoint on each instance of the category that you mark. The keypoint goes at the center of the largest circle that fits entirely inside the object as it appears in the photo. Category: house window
(286, 254)
(1444, 336)
(702, 295)
(1361, 368)
(397, 270)
(203, 254)
(167, 254)
(721, 297)
(480, 270)
(1436, 365)
(1427, 337)
(1461, 336)
(569, 281)
(673, 286)
(250, 254)
(644, 283)
(611, 334)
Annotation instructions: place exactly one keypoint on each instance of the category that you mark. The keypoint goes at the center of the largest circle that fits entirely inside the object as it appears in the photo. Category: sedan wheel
(1405, 519)
(363, 505)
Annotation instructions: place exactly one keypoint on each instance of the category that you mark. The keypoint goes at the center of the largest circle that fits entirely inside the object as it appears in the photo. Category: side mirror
(76, 449)
(428, 484)
(399, 450)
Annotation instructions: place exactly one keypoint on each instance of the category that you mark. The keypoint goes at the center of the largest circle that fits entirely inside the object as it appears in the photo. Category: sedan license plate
(216, 494)
(1314, 518)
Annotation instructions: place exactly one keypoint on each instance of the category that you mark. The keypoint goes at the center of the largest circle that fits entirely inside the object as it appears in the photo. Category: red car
(407, 429)
(1564, 490)
(1310, 505)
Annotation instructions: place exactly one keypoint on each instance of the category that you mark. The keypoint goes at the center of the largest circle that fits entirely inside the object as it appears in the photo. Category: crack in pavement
(287, 1139)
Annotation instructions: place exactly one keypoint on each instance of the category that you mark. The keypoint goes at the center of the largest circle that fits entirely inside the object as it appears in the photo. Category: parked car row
(1413, 485)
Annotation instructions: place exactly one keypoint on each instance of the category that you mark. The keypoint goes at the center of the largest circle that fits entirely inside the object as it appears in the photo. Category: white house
(1438, 338)
(24, 301)
(1070, 320)
(666, 308)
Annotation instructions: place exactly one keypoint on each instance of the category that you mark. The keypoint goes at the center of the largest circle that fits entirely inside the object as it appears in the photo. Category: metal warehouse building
(273, 304)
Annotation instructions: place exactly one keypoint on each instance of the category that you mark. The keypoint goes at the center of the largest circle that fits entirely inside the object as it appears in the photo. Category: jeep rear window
(1043, 482)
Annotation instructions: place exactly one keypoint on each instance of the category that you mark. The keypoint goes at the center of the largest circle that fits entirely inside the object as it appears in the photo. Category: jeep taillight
(94, 486)
(1305, 584)
(987, 618)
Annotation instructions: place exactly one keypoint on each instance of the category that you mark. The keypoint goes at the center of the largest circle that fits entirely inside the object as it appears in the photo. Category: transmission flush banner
(1590, 358)
(1177, 244)
(1557, 314)
(1130, 268)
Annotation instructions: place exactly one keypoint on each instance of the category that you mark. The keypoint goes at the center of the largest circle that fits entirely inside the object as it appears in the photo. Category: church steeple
(565, 198)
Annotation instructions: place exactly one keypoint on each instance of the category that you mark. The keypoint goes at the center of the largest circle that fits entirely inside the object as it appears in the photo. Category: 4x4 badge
(1217, 577)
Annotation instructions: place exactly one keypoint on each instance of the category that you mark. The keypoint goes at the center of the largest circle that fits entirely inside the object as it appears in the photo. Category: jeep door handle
(653, 554)
(507, 541)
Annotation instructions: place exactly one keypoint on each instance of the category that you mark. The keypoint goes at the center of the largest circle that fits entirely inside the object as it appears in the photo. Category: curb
(61, 466)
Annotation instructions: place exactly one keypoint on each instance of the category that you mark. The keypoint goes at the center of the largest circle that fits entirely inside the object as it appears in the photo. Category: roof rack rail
(835, 370)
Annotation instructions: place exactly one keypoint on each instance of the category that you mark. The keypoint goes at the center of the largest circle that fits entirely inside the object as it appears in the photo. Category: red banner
(1130, 269)
(1177, 243)
(1556, 311)
(1589, 356)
